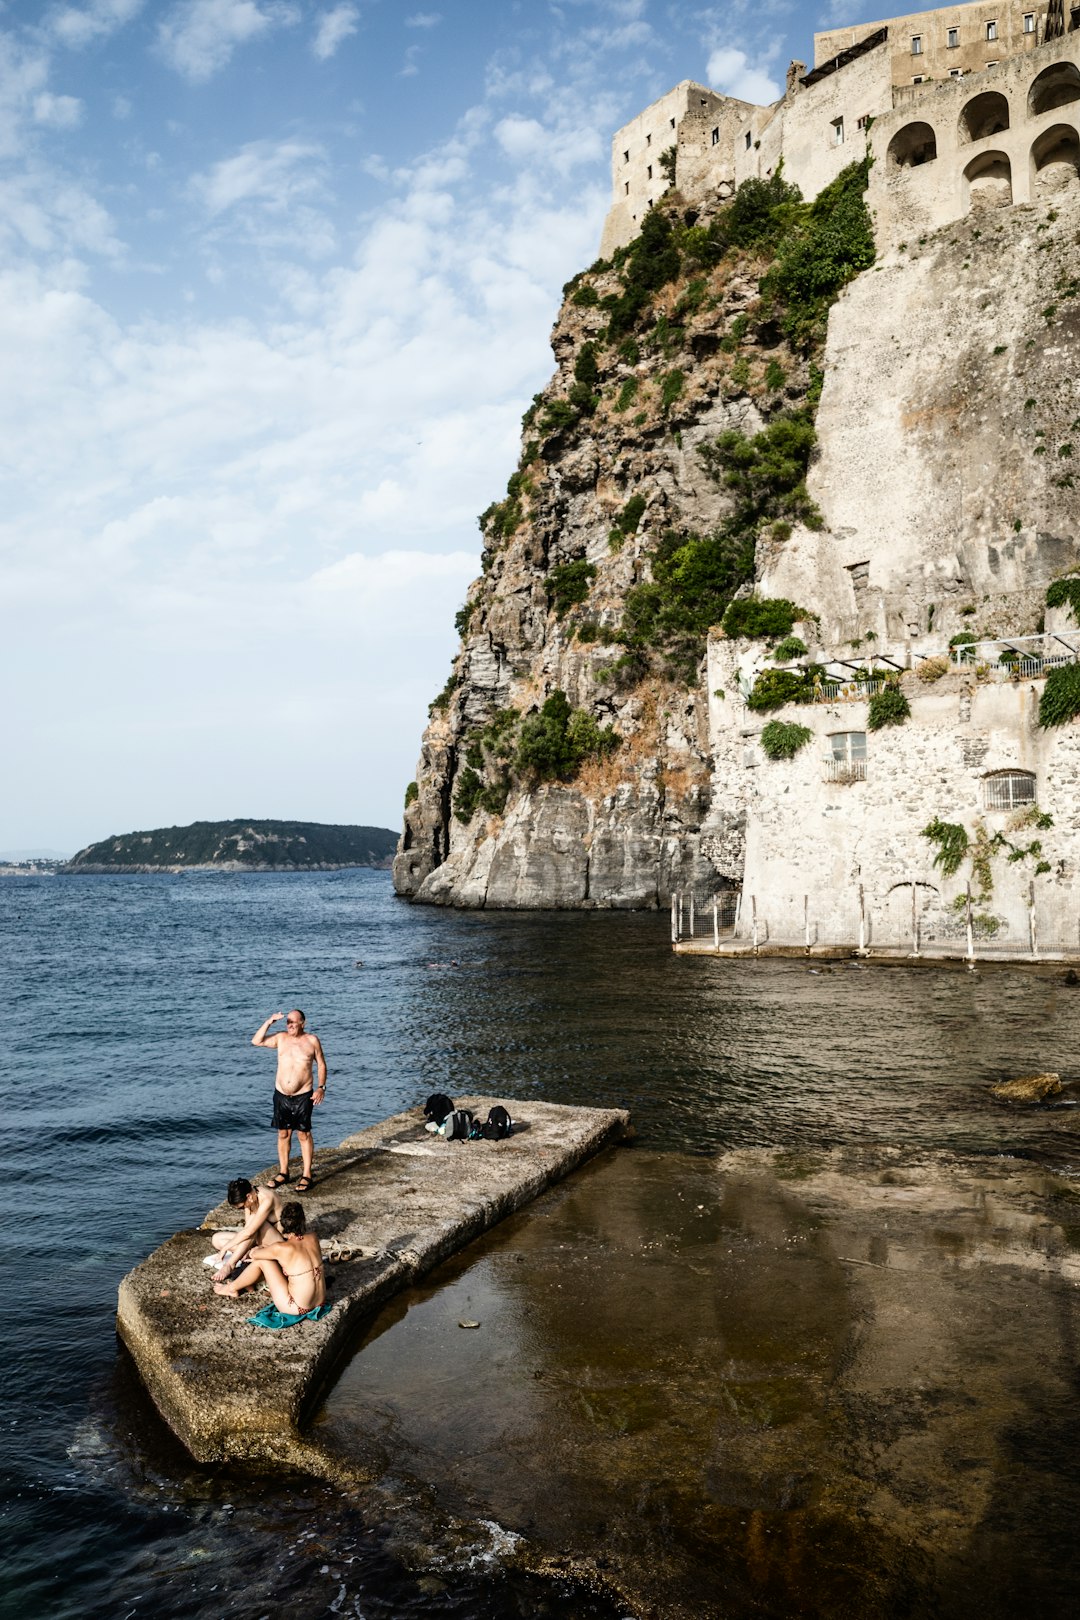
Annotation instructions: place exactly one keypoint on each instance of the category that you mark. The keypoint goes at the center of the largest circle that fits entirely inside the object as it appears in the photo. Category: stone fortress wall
(929, 128)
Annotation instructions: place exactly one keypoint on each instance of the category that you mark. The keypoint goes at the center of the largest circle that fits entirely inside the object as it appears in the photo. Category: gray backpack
(457, 1125)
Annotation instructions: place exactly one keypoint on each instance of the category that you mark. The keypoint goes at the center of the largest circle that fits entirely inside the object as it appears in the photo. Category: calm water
(130, 1007)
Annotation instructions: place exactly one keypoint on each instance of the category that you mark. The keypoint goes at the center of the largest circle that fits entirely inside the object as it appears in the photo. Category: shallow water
(131, 1003)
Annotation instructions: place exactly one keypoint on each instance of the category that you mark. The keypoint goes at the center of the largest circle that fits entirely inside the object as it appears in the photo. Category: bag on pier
(457, 1125)
(498, 1124)
(438, 1106)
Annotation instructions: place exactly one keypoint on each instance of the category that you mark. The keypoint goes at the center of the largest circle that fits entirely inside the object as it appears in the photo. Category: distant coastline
(253, 845)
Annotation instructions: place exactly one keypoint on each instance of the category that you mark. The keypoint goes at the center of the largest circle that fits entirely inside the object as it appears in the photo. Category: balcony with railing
(1016, 658)
(844, 770)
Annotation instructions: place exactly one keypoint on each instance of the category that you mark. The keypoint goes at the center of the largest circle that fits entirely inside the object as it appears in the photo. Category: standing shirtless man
(297, 1054)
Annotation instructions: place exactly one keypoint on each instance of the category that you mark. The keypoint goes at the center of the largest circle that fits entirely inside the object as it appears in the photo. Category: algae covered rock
(1027, 1088)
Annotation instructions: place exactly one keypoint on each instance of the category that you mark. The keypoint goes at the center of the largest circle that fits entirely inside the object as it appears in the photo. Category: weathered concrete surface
(406, 1197)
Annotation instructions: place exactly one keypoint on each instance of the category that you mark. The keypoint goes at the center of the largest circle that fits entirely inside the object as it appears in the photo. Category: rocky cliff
(568, 762)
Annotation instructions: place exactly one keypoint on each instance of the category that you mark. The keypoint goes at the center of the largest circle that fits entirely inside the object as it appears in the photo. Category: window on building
(991, 30)
(648, 140)
(952, 38)
(746, 139)
(991, 64)
(627, 185)
(845, 759)
(672, 122)
(956, 73)
(916, 44)
(863, 122)
(919, 78)
(716, 137)
(626, 157)
(1008, 790)
(648, 172)
(1029, 22)
(838, 131)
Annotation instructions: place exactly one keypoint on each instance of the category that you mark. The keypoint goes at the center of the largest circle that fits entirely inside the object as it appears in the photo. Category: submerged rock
(1028, 1088)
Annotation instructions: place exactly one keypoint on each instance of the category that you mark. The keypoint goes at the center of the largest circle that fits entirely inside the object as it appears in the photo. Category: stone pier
(404, 1198)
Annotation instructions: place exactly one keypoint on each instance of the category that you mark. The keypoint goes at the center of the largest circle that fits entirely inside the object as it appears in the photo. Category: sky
(277, 279)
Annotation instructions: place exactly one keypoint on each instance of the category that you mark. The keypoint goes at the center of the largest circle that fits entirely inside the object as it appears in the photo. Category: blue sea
(136, 1096)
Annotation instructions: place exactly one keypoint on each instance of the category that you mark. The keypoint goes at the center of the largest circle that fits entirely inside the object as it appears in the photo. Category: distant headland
(239, 846)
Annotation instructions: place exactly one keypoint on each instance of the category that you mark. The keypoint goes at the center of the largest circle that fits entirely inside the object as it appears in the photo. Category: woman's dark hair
(292, 1219)
(239, 1190)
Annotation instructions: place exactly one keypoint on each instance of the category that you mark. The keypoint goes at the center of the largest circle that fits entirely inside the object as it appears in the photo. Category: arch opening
(984, 115)
(1055, 158)
(912, 145)
(1055, 86)
(988, 182)
(1012, 789)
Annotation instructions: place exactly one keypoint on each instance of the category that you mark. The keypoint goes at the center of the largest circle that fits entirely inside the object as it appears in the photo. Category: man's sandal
(280, 1179)
(305, 1184)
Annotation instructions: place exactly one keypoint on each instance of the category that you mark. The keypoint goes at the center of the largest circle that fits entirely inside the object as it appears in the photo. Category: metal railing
(1017, 657)
(847, 691)
(1013, 790)
(844, 770)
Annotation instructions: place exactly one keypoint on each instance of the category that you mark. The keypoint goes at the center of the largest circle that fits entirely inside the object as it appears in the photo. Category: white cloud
(198, 37)
(334, 28)
(410, 68)
(275, 174)
(58, 112)
(77, 26)
(732, 73)
(424, 19)
(121, 107)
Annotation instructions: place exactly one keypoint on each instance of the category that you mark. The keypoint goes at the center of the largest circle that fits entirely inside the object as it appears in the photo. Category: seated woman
(262, 1224)
(291, 1269)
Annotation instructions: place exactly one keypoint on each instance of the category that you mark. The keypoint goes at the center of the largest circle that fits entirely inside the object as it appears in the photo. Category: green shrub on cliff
(1065, 593)
(774, 687)
(762, 616)
(887, 708)
(1060, 700)
(568, 584)
(767, 472)
(832, 242)
(694, 579)
(782, 739)
(554, 743)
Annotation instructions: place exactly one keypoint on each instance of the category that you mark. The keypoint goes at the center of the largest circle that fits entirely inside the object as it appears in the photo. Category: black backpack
(457, 1126)
(438, 1106)
(498, 1125)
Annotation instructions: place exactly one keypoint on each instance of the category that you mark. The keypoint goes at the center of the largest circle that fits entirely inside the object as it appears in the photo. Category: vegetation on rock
(774, 687)
(764, 616)
(782, 739)
(887, 708)
(1065, 593)
(568, 584)
(1060, 700)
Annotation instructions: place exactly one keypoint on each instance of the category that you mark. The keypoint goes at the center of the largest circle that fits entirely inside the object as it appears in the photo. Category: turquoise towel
(271, 1317)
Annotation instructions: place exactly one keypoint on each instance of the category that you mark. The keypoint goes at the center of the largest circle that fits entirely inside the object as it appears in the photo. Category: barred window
(847, 745)
(1008, 790)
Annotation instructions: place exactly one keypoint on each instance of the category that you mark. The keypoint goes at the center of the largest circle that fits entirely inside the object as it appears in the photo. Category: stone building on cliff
(949, 411)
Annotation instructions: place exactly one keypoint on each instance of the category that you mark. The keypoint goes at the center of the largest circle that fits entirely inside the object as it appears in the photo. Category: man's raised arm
(259, 1037)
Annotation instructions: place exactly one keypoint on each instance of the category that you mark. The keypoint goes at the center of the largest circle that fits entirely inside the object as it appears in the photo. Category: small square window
(746, 139)
(919, 78)
(716, 137)
(916, 44)
(953, 38)
(1029, 22)
(863, 122)
(991, 30)
(956, 73)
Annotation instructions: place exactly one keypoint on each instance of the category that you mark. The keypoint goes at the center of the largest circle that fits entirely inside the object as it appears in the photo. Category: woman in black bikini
(291, 1269)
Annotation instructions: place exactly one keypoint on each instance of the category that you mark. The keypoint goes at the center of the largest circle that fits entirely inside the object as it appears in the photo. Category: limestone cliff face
(944, 476)
(948, 435)
(627, 829)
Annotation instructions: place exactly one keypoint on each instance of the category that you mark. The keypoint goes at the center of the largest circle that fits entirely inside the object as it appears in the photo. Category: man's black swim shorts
(292, 1113)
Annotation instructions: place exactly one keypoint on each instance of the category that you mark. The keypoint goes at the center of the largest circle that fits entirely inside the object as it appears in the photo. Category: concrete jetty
(404, 1198)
